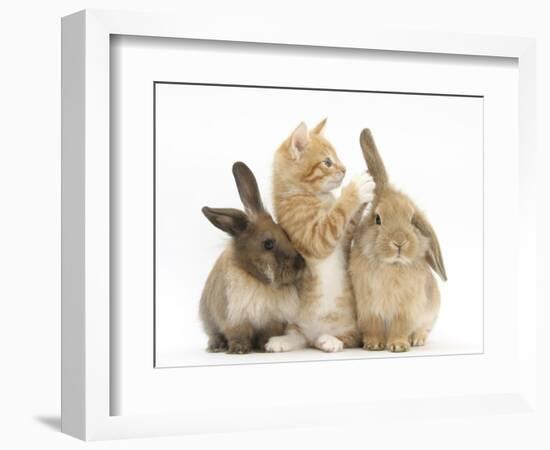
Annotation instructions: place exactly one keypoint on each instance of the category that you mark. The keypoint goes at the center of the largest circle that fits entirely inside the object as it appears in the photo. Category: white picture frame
(87, 385)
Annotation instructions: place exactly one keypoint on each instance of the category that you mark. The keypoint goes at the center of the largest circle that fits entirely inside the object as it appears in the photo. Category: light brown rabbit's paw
(239, 347)
(398, 346)
(374, 345)
(418, 338)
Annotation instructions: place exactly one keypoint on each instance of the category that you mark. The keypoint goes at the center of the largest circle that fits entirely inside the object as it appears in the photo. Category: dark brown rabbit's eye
(378, 220)
(328, 162)
(269, 244)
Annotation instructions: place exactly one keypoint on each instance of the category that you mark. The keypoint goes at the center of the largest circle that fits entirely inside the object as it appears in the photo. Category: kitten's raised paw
(365, 187)
(418, 338)
(398, 346)
(329, 344)
(239, 347)
(374, 345)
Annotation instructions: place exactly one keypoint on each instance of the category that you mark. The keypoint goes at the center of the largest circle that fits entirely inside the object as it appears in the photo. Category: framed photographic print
(228, 262)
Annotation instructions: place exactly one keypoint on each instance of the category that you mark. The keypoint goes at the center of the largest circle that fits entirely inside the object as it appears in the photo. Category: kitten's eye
(328, 162)
(269, 244)
(378, 220)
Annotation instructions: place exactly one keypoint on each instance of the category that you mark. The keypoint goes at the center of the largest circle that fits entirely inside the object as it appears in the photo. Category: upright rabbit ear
(319, 128)
(248, 188)
(230, 220)
(433, 255)
(298, 141)
(374, 162)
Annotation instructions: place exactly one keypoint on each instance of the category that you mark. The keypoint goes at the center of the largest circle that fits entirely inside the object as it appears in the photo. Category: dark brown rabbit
(250, 294)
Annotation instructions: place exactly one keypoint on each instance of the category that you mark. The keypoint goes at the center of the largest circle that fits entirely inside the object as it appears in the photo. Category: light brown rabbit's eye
(269, 244)
(328, 162)
(378, 220)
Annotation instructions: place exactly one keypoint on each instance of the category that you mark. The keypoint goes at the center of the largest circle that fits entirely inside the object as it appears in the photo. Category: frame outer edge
(97, 390)
(527, 168)
(85, 269)
(73, 82)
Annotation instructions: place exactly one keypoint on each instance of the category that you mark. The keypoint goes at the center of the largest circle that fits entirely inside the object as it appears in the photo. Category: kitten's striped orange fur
(306, 170)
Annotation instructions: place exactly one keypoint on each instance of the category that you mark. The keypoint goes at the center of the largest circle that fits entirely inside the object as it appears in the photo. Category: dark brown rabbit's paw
(217, 344)
(239, 347)
(398, 346)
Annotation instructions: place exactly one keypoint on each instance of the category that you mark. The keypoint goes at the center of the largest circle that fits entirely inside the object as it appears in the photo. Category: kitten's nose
(299, 262)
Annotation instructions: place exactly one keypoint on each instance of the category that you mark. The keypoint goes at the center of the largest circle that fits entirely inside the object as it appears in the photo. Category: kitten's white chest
(331, 273)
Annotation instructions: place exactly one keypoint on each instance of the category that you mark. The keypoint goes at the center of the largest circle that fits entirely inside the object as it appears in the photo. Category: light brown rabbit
(394, 248)
(251, 292)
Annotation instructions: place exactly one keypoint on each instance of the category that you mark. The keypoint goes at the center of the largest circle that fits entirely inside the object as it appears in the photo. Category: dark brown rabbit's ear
(230, 220)
(248, 188)
(374, 162)
(433, 255)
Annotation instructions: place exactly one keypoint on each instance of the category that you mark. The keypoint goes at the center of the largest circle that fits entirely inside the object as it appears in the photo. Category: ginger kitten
(306, 169)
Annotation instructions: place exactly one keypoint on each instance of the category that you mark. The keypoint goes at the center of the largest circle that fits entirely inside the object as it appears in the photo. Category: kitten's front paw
(398, 346)
(329, 344)
(365, 187)
(278, 344)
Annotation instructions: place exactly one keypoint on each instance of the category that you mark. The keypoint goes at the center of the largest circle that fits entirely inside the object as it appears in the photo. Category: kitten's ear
(298, 140)
(319, 128)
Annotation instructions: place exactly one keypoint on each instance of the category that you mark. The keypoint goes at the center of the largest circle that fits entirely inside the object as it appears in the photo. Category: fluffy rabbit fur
(394, 248)
(251, 291)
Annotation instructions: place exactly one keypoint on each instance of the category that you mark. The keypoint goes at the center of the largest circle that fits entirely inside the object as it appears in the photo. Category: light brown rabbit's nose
(399, 240)
(398, 244)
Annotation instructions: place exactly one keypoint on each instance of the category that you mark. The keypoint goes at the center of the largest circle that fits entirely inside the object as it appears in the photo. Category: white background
(432, 147)
(30, 80)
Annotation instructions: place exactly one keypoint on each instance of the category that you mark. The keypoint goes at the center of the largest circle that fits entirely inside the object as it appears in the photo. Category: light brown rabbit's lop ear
(433, 255)
(375, 165)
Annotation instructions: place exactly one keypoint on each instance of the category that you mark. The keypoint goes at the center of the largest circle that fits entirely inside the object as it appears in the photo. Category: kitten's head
(306, 161)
